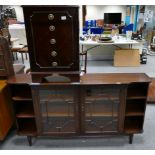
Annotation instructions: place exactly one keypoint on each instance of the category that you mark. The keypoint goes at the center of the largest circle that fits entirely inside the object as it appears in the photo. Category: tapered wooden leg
(130, 138)
(29, 138)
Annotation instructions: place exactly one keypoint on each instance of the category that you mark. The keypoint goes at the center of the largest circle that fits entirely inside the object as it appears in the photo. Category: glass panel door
(101, 109)
(57, 110)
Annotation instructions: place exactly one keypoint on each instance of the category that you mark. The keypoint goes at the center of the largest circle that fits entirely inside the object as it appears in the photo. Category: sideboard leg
(130, 138)
(29, 138)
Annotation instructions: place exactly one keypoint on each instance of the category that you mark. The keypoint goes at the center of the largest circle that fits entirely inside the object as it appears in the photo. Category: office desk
(95, 44)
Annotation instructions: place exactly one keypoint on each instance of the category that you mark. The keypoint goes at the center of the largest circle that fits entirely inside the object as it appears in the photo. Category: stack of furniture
(6, 70)
(54, 100)
(6, 67)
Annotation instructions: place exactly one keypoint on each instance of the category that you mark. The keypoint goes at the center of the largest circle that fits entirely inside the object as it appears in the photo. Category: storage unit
(97, 105)
(23, 108)
(53, 37)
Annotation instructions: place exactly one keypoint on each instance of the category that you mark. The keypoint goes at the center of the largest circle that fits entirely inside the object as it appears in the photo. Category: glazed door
(56, 109)
(100, 109)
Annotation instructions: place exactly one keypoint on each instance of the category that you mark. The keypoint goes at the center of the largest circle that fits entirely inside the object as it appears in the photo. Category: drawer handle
(52, 28)
(53, 53)
(50, 16)
(54, 64)
(52, 41)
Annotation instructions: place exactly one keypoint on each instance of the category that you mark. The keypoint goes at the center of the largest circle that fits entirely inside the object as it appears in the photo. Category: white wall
(19, 13)
(97, 11)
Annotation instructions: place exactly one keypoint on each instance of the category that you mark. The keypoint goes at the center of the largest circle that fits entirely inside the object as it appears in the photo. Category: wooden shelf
(26, 126)
(21, 92)
(133, 124)
(24, 109)
(27, 132)
(100, 98)
(134, 113)
(135, 107)
(103, 114)
(21, 98)
(57, 114)
(137, 90)
(133, 130)
(136, 97)
(56, 100)
(27, 113)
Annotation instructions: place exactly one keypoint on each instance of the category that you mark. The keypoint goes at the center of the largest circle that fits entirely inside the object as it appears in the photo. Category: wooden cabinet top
(114, 78)
(89, 79)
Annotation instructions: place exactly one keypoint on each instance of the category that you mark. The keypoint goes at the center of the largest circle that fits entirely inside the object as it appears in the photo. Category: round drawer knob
(53, 53)
(50, 16)
(52, 41)
(54, 64)
(52, 28)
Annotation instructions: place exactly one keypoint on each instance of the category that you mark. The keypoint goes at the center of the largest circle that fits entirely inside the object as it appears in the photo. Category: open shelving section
(23, 108)
(135, 107)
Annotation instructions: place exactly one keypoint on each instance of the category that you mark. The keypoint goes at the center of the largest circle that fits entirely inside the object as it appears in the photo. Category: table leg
(13, 56)
(22, 58)
(86, 62)
(26, 56)
(16, 56)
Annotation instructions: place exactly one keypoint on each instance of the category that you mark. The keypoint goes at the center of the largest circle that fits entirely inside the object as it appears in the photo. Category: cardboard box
(127, 58)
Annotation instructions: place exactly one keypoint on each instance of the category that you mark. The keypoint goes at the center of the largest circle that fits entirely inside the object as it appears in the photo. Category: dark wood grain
(86, 79)
(113, 78)
(66, 34)
(6, 63)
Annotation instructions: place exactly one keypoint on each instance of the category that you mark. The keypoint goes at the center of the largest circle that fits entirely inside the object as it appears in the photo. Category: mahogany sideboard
(99, 104)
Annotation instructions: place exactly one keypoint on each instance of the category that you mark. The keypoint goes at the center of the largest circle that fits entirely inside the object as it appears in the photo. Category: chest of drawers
(53, 37)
